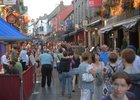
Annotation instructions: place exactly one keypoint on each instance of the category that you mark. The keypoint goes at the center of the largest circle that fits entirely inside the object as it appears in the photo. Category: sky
(38, 8)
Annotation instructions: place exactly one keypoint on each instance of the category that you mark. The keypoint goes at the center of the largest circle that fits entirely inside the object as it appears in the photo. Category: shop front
(118, 34)
(93, 37)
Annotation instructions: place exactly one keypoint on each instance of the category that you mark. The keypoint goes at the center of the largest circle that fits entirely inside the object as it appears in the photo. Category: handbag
(87, 77)
(99, 78)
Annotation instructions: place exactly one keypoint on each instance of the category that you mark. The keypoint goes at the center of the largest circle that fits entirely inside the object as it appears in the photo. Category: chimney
(61, 3)
(72, 2)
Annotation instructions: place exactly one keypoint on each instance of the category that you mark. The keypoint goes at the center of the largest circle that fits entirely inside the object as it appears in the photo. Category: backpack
(99, 78)
(65, 64)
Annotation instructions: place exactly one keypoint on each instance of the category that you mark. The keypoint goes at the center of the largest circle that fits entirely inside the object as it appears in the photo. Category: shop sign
(11, 18)
(9, 2)
(90, 3)
(97, 3)
(94, 3)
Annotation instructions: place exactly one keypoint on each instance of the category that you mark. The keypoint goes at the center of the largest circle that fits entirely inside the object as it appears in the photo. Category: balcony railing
(126, 15)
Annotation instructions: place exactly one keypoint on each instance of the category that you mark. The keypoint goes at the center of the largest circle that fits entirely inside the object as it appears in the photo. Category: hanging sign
(94, 3)
(9, 2)
(97, 3)
(11, 18)
(90, 3)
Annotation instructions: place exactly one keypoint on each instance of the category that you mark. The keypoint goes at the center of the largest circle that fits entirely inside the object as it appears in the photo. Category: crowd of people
(101, 73)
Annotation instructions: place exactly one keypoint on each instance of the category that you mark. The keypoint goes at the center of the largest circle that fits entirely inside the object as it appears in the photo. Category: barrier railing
(10, 87)
(27, 83)
(34, 76)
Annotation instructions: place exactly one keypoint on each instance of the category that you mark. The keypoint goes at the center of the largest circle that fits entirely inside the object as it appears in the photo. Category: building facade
(122, 26)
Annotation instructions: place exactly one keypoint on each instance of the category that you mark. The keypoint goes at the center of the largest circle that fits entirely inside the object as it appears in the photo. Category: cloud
(38, 8)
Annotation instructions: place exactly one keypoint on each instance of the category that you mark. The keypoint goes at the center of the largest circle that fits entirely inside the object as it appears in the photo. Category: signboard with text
(94, 3)
(97, 3)
(9, 2)
(90, 3)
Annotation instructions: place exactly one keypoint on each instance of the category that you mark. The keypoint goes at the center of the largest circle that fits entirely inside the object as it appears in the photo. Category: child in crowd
(121, 83)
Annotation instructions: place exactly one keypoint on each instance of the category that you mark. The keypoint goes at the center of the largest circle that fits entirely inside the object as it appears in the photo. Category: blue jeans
(86, 94)
(58, 66)
(67, 76)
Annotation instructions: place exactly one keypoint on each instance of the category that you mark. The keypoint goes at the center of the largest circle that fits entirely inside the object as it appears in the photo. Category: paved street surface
(53, 93)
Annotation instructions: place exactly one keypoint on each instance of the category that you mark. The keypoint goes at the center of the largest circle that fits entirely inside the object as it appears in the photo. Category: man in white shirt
(24, 58)
(5, 61)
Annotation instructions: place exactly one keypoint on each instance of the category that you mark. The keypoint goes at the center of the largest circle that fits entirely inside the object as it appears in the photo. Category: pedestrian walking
(97, 70)
(66, 75)
(75, 64)
(111, 67)
(86, 83)
(128, 58)
(46, 61)
(104, 53)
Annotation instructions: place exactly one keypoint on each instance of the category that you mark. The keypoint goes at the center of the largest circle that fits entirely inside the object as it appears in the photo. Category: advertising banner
(94, 3)
(90, 3)
(9, 2)
(97, 3)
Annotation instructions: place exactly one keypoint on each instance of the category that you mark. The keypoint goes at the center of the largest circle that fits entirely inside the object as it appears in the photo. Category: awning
(94, 23)
(130, 25)
(9, 33)
(105, 29)
(127, 23)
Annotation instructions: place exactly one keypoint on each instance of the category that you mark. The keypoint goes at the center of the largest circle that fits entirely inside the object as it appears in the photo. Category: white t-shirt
(4, 60)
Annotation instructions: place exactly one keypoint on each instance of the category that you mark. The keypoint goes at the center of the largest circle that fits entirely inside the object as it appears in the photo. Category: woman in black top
(66, 75)
(75, 64)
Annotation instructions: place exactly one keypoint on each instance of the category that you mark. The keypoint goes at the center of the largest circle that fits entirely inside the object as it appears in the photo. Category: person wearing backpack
(121, 83)
(97, 71)
(59, 55)
(65, 72)
(111, 67)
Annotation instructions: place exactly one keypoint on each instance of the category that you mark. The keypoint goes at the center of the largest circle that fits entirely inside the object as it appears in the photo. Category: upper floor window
(41, 28)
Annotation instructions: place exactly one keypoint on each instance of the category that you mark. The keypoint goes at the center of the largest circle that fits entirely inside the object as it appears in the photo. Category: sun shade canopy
(10, 33)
